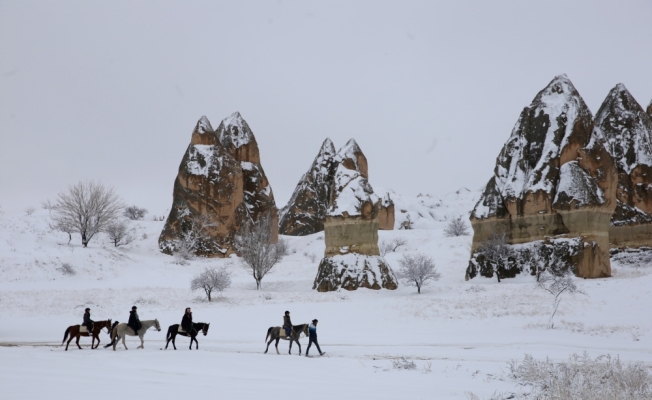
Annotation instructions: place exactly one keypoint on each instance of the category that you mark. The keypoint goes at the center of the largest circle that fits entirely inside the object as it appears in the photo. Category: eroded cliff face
(215, 192)
(552, 177)
(352, 258)
(627, 130)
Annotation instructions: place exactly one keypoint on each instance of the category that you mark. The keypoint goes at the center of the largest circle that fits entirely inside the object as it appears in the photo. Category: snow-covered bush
(211, 279)
(417, 270)
(557, 285)
(135, 213)
(192, 235)
(257, 251)
(30, 210)
(118, 233)
(390, 246)
(456, 227)
(403, 363)
(311, 256)
(67, 269)
(86, 208)
(583, 378)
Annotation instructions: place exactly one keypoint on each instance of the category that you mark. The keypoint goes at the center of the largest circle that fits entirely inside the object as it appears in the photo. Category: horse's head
(107, 326)
(158, 326)
(205, 329)
(305, 330)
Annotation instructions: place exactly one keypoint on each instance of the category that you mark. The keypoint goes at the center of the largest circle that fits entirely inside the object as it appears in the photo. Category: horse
(173, 331)
(122, 330)
(73, 330)
(295, 334)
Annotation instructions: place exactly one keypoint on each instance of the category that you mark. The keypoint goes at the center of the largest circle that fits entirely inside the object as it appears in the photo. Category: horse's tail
(269, 331)
(65, 335)
(169, 335)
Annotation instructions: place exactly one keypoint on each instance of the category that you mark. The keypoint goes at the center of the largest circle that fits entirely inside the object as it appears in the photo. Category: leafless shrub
(390, 246)
(427, 368)
(311, 256)
(456, 227)
(403, 363)
(86, 208)
(497, 251)
(29, 210)
(144, 236)
(407, 224)
(192, 235)
(118, 233)
(67, 269)
(557, 285)
(257, 251)
(584, 378)
(135, 213)
(417, 270)
(210, 280)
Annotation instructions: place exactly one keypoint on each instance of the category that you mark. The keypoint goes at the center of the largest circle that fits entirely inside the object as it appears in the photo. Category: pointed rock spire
(649, 109)
(203, 132)
(305, 212)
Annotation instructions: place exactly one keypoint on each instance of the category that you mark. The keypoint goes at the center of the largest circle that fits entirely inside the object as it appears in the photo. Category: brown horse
(97, 328)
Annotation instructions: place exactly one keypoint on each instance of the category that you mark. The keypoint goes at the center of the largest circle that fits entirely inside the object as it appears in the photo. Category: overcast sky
(111, 91)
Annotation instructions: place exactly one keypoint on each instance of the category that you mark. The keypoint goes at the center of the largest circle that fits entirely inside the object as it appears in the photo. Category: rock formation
(552, 177)
(305, 212)
(220, 185)
(649, 109)
(627, 129)
(352, 258)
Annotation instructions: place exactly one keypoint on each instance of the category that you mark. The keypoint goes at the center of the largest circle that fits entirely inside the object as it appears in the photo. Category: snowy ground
(460, 334)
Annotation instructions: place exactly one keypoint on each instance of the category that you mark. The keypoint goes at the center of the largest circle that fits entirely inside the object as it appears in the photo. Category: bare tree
(390, 246)
(255, 245)
(497, 252)
(63, 225)
(118, 232)
(210, 280)
(192, 234)
(417, 270)
(456, 227)
(135, 213)
(86, 208)
(556, 285)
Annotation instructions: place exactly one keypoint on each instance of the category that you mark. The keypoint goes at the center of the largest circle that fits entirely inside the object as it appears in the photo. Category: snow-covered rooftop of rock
(351, 186)
(576, 184)
(237, 128)
(204, 125)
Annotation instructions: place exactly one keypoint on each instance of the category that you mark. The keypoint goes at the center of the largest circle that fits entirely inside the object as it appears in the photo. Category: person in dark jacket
(287, 323)
(88, 322)
(186, 321)
(134, 321)
(312, 338)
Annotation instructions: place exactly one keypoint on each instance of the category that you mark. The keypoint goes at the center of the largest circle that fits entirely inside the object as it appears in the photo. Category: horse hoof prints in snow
(277, 333)
(122, 330)
(175, 330)
(75, 331)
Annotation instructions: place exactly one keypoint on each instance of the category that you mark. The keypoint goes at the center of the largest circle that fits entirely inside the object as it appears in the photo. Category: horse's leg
(124, 342)
(290, 351)
(69, 340)
(142, 342)
(299, 344)
(196, 343)
(174, 341)
(268, 343)
(277, 339)
(168, 342)
(77, 341)
(98, 342)
(191, 339)
(92, 341)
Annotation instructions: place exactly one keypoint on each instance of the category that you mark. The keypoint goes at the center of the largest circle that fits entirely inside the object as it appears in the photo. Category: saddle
(180, 330)
(83, 329)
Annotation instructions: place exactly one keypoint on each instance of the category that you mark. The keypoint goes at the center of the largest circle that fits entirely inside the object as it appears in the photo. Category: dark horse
(277, 333)
(73, 331)
(173, 331)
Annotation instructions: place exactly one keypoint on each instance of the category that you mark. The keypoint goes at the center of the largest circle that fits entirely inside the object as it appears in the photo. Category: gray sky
(430, 90)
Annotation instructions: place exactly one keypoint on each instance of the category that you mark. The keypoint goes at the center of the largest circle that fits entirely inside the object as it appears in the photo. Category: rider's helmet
(287, 312)
(87, 309)
(134, 308)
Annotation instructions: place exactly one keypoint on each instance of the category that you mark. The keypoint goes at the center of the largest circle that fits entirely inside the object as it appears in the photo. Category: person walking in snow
(312, 338)
(287, 323)
(134, 321)
(186, 321)
(88, 322)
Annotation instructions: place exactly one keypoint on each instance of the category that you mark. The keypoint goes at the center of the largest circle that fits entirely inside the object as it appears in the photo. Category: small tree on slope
(258, 254)
(86, 208)
(210, 280)
(417, 270)
(557, 285)
(456, 227)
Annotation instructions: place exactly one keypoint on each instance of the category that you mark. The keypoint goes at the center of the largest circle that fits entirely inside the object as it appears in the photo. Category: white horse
(122, 330)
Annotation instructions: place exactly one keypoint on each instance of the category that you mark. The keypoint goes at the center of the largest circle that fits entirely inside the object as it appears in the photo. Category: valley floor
(460, 334)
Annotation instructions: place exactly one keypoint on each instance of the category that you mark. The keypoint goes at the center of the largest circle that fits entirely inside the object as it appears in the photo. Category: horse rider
(134, 321)
(287, 323)
(186, 321)
(312, 330)
(88, 322)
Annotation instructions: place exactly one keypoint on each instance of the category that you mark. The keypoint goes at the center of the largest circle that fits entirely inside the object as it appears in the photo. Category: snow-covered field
(460, 334)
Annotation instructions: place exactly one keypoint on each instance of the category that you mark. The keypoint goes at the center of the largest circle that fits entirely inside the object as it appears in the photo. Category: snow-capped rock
(534, 194)
(352, 271)
(220, 179)
(627, 130)
(236, 137)
(305, 212)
